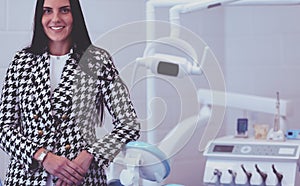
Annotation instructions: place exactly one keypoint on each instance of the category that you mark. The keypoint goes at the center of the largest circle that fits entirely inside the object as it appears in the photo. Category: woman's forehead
(56, 3)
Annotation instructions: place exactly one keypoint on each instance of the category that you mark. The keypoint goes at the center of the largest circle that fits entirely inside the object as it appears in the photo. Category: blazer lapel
(41, 80)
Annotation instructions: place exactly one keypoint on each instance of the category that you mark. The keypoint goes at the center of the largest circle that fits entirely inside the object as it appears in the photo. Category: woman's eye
(65, 10)
(47, 11)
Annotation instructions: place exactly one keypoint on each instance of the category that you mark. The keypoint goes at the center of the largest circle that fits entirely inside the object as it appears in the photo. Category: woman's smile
(57, 27)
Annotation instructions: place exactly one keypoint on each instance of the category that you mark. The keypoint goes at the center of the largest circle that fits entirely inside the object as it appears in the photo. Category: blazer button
(35, 116)
(64, 117)
(40, 133)
(67, 147)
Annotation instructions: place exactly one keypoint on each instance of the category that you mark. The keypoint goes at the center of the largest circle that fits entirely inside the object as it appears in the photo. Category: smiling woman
(51, 104)
(57, 22)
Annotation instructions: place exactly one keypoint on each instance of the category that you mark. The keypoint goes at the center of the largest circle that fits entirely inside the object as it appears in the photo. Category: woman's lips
(56, 27)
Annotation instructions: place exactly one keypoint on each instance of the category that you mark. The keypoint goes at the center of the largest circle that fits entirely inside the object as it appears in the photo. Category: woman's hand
(84, 160)
(67, 171)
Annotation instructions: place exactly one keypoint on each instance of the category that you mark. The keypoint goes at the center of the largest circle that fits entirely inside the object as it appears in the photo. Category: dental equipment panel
(249, 161)
(236, 161)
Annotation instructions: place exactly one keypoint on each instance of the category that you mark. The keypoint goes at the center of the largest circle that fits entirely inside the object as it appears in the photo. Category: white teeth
(56, 28)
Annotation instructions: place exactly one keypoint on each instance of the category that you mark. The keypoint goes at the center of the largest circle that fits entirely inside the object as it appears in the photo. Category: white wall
(257, 47)
(15, 26)
(262, 55)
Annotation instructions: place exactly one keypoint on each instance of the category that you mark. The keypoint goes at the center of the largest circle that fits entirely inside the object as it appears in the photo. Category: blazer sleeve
(16, 145)
(117, 101)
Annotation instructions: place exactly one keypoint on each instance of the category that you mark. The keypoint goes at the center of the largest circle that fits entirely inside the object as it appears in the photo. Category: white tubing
(174, 18)
(176, 42)
(205, 5)
(181, 134)
(150, 18)
(164, 3)
(150, 12)
(245, 102)
(265, 2)
(175, 11)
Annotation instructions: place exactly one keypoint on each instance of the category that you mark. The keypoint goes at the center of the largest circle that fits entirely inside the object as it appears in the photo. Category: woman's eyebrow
(67, 6)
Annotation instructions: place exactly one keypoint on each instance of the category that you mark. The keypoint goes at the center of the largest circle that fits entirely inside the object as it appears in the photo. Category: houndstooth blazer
(64, 121)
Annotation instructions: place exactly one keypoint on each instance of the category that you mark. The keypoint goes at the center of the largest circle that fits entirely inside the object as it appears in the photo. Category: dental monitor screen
(166, 68)
(223, 148)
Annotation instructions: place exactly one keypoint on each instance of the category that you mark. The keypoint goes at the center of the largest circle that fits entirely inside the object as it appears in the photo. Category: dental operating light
(170, 65)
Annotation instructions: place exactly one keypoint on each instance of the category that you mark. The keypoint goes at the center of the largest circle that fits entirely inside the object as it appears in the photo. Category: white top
(57, 64)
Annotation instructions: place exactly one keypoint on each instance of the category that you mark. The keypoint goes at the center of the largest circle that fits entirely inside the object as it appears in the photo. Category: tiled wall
(262, 54)
(257, 47)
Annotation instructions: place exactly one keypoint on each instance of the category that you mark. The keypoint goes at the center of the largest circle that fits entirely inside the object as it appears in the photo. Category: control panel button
(246, 149)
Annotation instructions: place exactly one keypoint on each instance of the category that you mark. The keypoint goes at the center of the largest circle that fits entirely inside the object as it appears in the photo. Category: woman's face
(57, 20)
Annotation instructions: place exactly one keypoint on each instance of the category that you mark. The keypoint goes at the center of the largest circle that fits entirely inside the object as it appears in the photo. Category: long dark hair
(79, 34)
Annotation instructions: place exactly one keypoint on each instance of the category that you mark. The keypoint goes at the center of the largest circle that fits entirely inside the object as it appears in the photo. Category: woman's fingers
(69, 175)
(74, 168)
(62, 183)
(72, 173)
(66, 170)
(59, 182)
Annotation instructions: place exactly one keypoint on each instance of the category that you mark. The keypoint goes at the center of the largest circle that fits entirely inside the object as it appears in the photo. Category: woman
(54, 92)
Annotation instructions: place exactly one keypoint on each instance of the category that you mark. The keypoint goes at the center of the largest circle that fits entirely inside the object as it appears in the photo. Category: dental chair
(141, 160)
(145, 164)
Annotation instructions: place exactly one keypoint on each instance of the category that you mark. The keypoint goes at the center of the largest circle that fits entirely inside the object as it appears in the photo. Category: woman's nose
(56, 17)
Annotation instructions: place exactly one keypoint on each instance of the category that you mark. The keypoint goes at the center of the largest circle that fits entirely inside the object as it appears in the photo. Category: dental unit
(224, 164)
